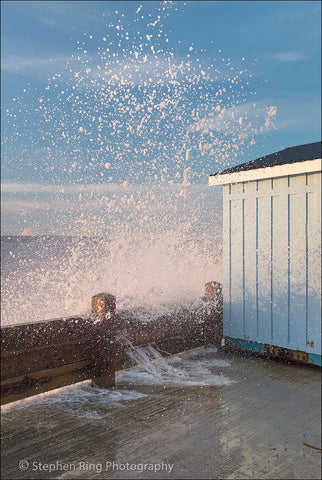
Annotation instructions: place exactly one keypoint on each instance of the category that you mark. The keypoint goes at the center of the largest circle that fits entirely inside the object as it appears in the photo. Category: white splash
(82, 400)
(189, 369)
(124, 134)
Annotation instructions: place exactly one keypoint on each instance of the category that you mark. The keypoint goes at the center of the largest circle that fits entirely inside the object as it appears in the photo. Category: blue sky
(102, 92)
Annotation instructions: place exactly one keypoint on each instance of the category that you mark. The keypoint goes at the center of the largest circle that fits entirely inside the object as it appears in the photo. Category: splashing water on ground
(191, 369)
(198, 367)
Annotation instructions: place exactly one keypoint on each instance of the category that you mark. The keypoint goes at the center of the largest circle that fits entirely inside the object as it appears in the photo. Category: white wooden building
(272, 253)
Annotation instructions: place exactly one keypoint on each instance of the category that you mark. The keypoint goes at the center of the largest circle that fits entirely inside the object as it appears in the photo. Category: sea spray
(126, 136)
(153, 260)
(83, 400)
(152, 362)
(194, 368)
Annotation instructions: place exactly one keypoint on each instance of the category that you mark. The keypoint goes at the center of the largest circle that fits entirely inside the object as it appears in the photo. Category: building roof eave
(296, 168)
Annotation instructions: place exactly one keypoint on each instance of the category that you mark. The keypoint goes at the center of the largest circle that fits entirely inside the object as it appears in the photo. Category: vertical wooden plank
(264, 261)
(104, 349)
(297, 268)
(250, 261)
(236, 264)
(280, 263)
(213, 321)
(226, 260)
(314, 264)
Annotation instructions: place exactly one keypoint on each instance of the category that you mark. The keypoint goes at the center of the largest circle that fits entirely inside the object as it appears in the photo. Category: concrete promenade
(252, 428)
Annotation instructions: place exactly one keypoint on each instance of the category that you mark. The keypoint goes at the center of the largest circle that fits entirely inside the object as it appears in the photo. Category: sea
(153, 262)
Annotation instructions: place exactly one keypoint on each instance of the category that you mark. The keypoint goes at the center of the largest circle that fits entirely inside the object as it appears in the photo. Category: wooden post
(104, 348)
(214, 322)
(213, 291)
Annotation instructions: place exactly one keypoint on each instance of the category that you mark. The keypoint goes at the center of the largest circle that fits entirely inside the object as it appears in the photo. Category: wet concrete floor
(252, 428)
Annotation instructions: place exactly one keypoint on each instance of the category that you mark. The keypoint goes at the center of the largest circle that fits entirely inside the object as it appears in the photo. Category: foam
(189, 369)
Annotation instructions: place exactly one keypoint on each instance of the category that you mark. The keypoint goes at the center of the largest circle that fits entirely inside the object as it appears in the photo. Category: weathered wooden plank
(43, 356)
(43, 381)
(29, 361)
(15, 338)
(52, 372)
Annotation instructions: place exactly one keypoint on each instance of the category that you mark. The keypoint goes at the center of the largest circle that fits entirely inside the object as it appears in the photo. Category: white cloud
(24, 187)
(23, 205)
(34, 188)
(92, 71)
(284, 57)
(57, 14)
(17, 63)
(300, 115)
(242, 120)
(140, 68)
(93, 209)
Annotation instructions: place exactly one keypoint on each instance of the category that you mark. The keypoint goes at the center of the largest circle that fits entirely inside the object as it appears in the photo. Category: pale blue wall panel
(272, 262)
(226, 260)
(297, 270)
(264, 262)
(280, 263)
(236, 305)
(250, 261)
(314, 264)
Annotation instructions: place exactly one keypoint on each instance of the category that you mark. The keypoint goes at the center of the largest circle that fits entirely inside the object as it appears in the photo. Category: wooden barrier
(39, 357)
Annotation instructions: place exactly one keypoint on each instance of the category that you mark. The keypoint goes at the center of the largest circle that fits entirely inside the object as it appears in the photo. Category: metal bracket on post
(213, 330)
(104, 349)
